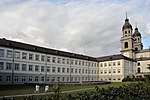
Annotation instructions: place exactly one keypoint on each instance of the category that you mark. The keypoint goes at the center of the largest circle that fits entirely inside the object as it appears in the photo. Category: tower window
(136, 49)
(126, 45)
(139, 70)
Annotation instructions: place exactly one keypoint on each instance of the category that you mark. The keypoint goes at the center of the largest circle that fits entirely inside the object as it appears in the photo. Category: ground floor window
(16, 78)
(8, 78)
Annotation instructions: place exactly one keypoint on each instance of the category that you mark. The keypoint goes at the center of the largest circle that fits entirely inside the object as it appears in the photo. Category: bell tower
(127, 41)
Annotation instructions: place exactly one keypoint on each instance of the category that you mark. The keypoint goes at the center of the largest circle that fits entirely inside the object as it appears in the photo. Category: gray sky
(90, 27)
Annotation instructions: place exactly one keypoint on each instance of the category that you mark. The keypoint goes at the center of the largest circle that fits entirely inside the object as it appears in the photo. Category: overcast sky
(90, 27)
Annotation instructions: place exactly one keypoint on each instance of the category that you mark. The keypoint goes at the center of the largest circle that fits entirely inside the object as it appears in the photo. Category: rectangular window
(63, 61)
(67, 70)
(95, 64)
(59, 60)
(17, 54)
(105, 64)
(36, 68)
(42, 68)
(30, 56)
(109, 64)
(119, 71)
(92, 64)
(16, 78)
(24, 55)
(42, 78)
(42, 58)
(48, 68)
(101, 65)
(79, 62)
(86, 63)
(109, 71)
(48, 59)
(68, 61)
(114, 70)
(53, 79)
(58, 69)
(86, 71)
(118, 63)
(89, 64)
(1, 52)
(37, 57)
(17, 66)
(82, 63)
(67, 78)
(9, 53)
(30, 78)
(105, 71)
(71, 70)
(23, 78)
(76, 62)
(82, 71)
(53, 69)
(114, 63)
(63, 70)
(79, 70)
(72, 61)
(36, 79)
(8, 78)
(8, 66)
(76, 70)
(54, 59)
(48, 79)
(63, 79)
(1, 65)
(0, 78)
(30, 67)
(101, 71)
(24, 67)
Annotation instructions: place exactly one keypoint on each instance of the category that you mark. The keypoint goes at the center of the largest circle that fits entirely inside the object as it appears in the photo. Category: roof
(114, 57)
(137, 33)
(126, 24)
(23, 46)
(144, 50)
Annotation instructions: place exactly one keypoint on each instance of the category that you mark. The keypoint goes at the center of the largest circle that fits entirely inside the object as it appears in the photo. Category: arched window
(138, 64)
(139, 70)
(136, 49)
(126, 45)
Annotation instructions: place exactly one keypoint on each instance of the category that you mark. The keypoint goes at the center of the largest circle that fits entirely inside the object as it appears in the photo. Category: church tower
(127, 40)
(137, 40)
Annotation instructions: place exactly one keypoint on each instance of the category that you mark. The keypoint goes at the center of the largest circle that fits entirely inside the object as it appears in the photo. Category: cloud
(81, 26)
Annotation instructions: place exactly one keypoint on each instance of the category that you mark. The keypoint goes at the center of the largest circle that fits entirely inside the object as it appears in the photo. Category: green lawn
(22, 89)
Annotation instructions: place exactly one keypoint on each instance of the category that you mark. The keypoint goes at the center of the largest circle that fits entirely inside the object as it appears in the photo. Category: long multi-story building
(24, 63)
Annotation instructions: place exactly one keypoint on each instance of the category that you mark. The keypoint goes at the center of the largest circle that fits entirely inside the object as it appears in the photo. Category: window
(86, 63)
(63, 78)
(24, 55)
(82, 63)
(89, 71)
(126, 45)
(92, 64)
(114, 63)
(67, 61)
(58, 69)
(128, 31)
(58, 78)
(89, 64)
(54, 59)
(8, 78)
(109, 64)
(24, 67)
(48, 59)
(16, 78)
(30, 56)
(119, 70)
(82, 71)
(114, 70)
(139, 70)
(118, 63)
(63, 61)
(86, 71)
(101, 71)
(42, 78)
(23, 78)
(136, 49)
(1, 65)
(63, 70)
(53, 69)
(53, 79)
(30, 67)
(105, 64)
(0, 78)
(109, 71)
(48, 68)
(59, 60)
(9, 53)
(1, 52)
(37, 57)
(67, 78)
(79, 70)
(17, 54)
(42, 58)
(30, 78)
(71, 70)
(76, 61)
(101, 65)
(36, 68)
(42, 68)
(36, 78)
(138, 63)
(8, 66)
(48, 79)
(76, 70)
(79, 62)
(67, 70)
(95, 64)
(17, 65)
(72, 61)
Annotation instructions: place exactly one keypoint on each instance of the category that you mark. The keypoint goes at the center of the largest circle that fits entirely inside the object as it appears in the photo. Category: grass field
(22, 89)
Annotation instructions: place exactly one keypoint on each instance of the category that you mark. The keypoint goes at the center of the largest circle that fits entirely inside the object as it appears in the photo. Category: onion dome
(127, 25)
(136, 33)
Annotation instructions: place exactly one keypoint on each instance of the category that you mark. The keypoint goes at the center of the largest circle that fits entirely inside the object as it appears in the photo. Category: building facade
(24, 63)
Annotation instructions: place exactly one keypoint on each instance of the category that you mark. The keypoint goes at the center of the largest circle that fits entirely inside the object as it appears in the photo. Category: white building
(24, 63)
